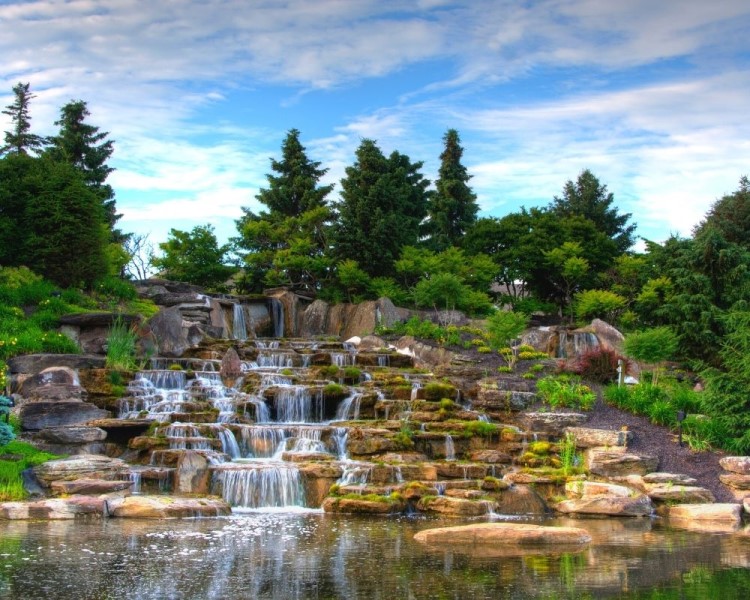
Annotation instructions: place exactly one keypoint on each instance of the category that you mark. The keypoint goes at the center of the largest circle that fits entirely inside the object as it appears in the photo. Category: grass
(16, 457)
(120, 346)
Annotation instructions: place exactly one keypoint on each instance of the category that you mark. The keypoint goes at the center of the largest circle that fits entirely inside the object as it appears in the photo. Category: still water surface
(312, 555)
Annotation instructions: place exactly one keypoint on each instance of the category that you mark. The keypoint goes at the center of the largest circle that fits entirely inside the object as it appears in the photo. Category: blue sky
(652, 96)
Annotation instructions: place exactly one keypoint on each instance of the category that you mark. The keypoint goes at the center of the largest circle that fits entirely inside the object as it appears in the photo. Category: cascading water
(239, 328)
(348, 410)
(277, 317)
(450, 449)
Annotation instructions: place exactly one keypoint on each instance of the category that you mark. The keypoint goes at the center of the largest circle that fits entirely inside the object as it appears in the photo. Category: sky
(651, 95)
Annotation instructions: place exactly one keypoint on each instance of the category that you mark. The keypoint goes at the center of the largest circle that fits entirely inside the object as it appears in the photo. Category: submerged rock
(162, 507)
(504, 534)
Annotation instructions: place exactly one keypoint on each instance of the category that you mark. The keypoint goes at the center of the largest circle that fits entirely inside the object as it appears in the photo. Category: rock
(35, 363)
(520, 500)
(552, 422)
(89, 487)
(53, 384)
(664, 478)
(607, 463)
(609, 337)
(746, 505)
(736, 464)
(494, 399)
(588, 489)
(705, 517)
(516, 534)
(361, 506)
(192, 475)
(371, 342)
(455, 470)
(162, 507)
(55, 508)
(173, 336)
(587, 438)
(615, 506)
(75, 434)
(90, 330)
(453, 507)
(492, 457)
(424, 356)
(680, 494)
(231, 365)
(315, 319)
(40, 415)
(735, 481)
(92, 466)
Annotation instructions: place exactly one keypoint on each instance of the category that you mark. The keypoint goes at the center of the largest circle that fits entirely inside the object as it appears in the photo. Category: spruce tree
(83, 146)
(19, 140)
(286, 245)
(453, 208)
(383, 204)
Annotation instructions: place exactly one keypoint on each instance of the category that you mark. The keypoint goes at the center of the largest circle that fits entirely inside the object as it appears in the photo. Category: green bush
(565, 392)
(602, 304)
(11, 483)
(436, 391)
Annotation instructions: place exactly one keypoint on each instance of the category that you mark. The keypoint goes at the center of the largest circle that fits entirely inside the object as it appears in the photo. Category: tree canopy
(19, 139)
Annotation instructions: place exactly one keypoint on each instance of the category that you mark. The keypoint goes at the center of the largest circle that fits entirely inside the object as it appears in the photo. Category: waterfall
(260, 485)
(239, 328)
(277, 317)
(295, 404)
(261, 441)
(228, 441)
(343, 359)
(348, 409)
(355, 474)
(384, 360)
(340, 436)
(415, 387)
(276, 360)
(450, 450)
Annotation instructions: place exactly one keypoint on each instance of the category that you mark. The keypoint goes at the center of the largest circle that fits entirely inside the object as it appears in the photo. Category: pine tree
(383, 204)
(19, 140)
(453, 208)
(87, 149)
(295, 190)
(286, 246)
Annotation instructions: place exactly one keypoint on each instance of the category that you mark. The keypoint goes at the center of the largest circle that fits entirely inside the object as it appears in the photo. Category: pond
(290, 555)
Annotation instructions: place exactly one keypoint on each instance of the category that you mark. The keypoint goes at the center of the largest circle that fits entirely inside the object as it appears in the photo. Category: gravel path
(654, 440)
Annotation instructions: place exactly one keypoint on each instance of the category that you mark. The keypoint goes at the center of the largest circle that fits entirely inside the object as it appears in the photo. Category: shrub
(652, 346)
(565, 392)
(480, 428)
(436, 391)
(617, 395)
(504, 326)
(334, 390)
(352, 373)
(601, 304)
(598, 365)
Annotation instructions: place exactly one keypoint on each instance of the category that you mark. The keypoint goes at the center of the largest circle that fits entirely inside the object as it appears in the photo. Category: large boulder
(552, 422)
(74, 434)
(173, 335)
(40, 415)
(609, 337)
(609, 463)
(53, 384)
(192, 474)
(504, 534)
(424, 356)
(92, 466)
(638, 505)
(90, 487)
(164, 507)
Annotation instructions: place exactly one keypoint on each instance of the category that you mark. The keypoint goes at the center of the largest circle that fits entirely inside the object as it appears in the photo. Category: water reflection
(313, 555)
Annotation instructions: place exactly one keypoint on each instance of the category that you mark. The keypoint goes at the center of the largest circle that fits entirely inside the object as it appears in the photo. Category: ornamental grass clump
(120, 346)
(565, 391)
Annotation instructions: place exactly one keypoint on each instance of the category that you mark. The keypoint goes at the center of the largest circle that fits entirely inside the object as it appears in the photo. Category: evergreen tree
(295, 190)
(19, 140)
(730, 216)
(87, 149)
(588, 198)
(383, 204)
(453, 208)
(286, 246)
(64, 235)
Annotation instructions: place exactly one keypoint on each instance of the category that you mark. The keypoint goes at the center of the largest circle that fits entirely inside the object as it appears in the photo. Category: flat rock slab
(552, 422)
(673, 478)
(614, 506)
(89, 487)
(504, 534)
(357, 506)
(454, 507)
(735, 480)
(680, 494)
(55, 508)
(40, 415)
(718, 517)
(167, 507)
(736, 464)
(587, 437)
(73, 434)
(608, 463)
